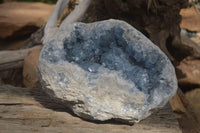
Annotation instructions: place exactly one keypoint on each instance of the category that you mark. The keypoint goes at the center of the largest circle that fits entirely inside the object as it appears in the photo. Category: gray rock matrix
(106, 70)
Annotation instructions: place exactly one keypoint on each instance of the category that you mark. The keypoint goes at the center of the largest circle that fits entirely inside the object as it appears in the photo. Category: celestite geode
(106, 70)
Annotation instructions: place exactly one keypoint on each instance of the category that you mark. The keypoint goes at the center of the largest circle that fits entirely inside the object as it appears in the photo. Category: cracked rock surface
(106, 70)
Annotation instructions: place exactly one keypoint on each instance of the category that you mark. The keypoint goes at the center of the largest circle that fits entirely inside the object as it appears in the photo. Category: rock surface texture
(106, 70)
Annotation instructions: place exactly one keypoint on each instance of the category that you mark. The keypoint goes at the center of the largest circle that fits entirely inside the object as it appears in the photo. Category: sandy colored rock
(194, 99)
(30, 78)
(190, 72)
(22, 17)
(190, 19)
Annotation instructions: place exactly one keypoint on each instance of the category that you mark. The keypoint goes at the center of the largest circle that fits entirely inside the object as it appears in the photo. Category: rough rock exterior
(106, 70)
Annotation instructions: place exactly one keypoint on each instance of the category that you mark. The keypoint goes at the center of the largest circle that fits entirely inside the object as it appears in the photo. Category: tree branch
(14, 59)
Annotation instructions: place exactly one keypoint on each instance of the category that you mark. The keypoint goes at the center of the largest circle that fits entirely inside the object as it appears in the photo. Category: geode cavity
(106, 70)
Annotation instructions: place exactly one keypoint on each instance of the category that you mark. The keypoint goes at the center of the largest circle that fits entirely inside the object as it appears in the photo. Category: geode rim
(106, 70)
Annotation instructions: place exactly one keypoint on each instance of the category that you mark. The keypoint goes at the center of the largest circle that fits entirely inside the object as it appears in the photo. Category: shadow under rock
(59, 106)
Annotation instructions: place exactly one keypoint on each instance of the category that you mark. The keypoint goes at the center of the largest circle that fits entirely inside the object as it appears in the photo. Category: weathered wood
(14, 59)
(194, 49)
(25, 110)
(35, 38)
(51, 26)
(77, 13)
(11, 65)
(184, 114)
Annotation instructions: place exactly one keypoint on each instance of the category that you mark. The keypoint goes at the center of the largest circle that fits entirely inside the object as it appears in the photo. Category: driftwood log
(30, 110)
(14, 59)
(75, 15)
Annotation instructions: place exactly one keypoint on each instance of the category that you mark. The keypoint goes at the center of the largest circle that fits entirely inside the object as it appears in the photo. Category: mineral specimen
(106, 70)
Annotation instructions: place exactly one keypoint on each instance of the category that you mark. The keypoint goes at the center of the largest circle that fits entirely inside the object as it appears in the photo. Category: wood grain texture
(25, 110)
(10, 59)
(183, 112)
(51, 26)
